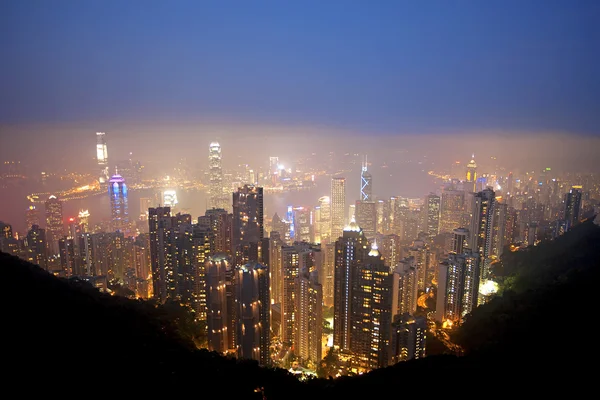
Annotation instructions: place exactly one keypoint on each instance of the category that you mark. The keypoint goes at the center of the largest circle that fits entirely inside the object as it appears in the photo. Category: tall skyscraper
(338, 206)
(54, 223)
(276, 266)
(458, 286)
(37, 252)
(452, 210)
(218, 197)
(431, 214)
(371, 311)
(351, 249)
(405, 287)
(217, 315)
(308, 324)
(409, 338)
(162, 253)
(366, 217)
(253, 310)
(83, 219)
(471, 175)
(460, 240)
(32, 216)
(248, 225)
(572, 207)
(297, 260)
(481, 232)
(366, 183)
(324, 220)
(102, 157)
(117, 190)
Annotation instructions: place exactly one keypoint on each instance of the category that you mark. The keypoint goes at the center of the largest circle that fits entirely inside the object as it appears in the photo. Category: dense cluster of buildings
(263, 285)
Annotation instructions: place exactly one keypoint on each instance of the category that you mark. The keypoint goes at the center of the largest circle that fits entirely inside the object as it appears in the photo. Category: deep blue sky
(418, 66)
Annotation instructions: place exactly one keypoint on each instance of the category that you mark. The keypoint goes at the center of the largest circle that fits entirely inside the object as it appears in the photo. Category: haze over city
(326, 187)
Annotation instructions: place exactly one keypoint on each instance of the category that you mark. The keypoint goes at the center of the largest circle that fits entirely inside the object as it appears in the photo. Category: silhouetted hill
(63, 337)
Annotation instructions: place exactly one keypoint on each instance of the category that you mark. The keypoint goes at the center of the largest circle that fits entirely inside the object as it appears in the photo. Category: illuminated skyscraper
(217, 316)
(458, 286)
(460, 240)
(371, 311)
(471, 175)
(248, 226)
(117, 190)
(32, 217)
(351, 249)
(84, 220)
(308, 325)
(572, 207)
(36, 246)
(54, 223)
(405, 287)
(481, 232)
(297, 260)
(276, 265)
(366, 183)
(303, 224)
(338, 206)
(409, 336)
(431, 215)
(324, 218)
(366, 217)
(452, 210)
(253, 312)
(218, 197)
(102, 157)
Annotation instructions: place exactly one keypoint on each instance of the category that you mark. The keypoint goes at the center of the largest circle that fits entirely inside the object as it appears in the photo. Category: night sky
(384, 66)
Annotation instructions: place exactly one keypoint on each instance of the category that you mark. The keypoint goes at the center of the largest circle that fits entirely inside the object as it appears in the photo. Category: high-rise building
(217, 316)
(324, 220)
(338, 206)
(68, 260)
(83, 219)
(37, 252)
(431, 214)
(371, 311)
(351, 249)
(303, 224)
(218, 197)
(471, 175)
(221, 224)
(54, 224)
(253, 312)
(248, 225)
(6, 231)
(327, 276)
(458, 286)
(460, 240)
(572, 207)
(32, 217)
(102, 157)
(117, 190)
(308, 323)
(297, 260)
(405, 287)
(481, 232)
(452, 210)
(409, 338)
(366, 183)
(276, 266)
(391, 249)
(162, 253)
(366, 217)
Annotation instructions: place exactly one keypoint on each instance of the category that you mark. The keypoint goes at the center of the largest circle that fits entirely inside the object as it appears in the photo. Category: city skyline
(325, 188)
